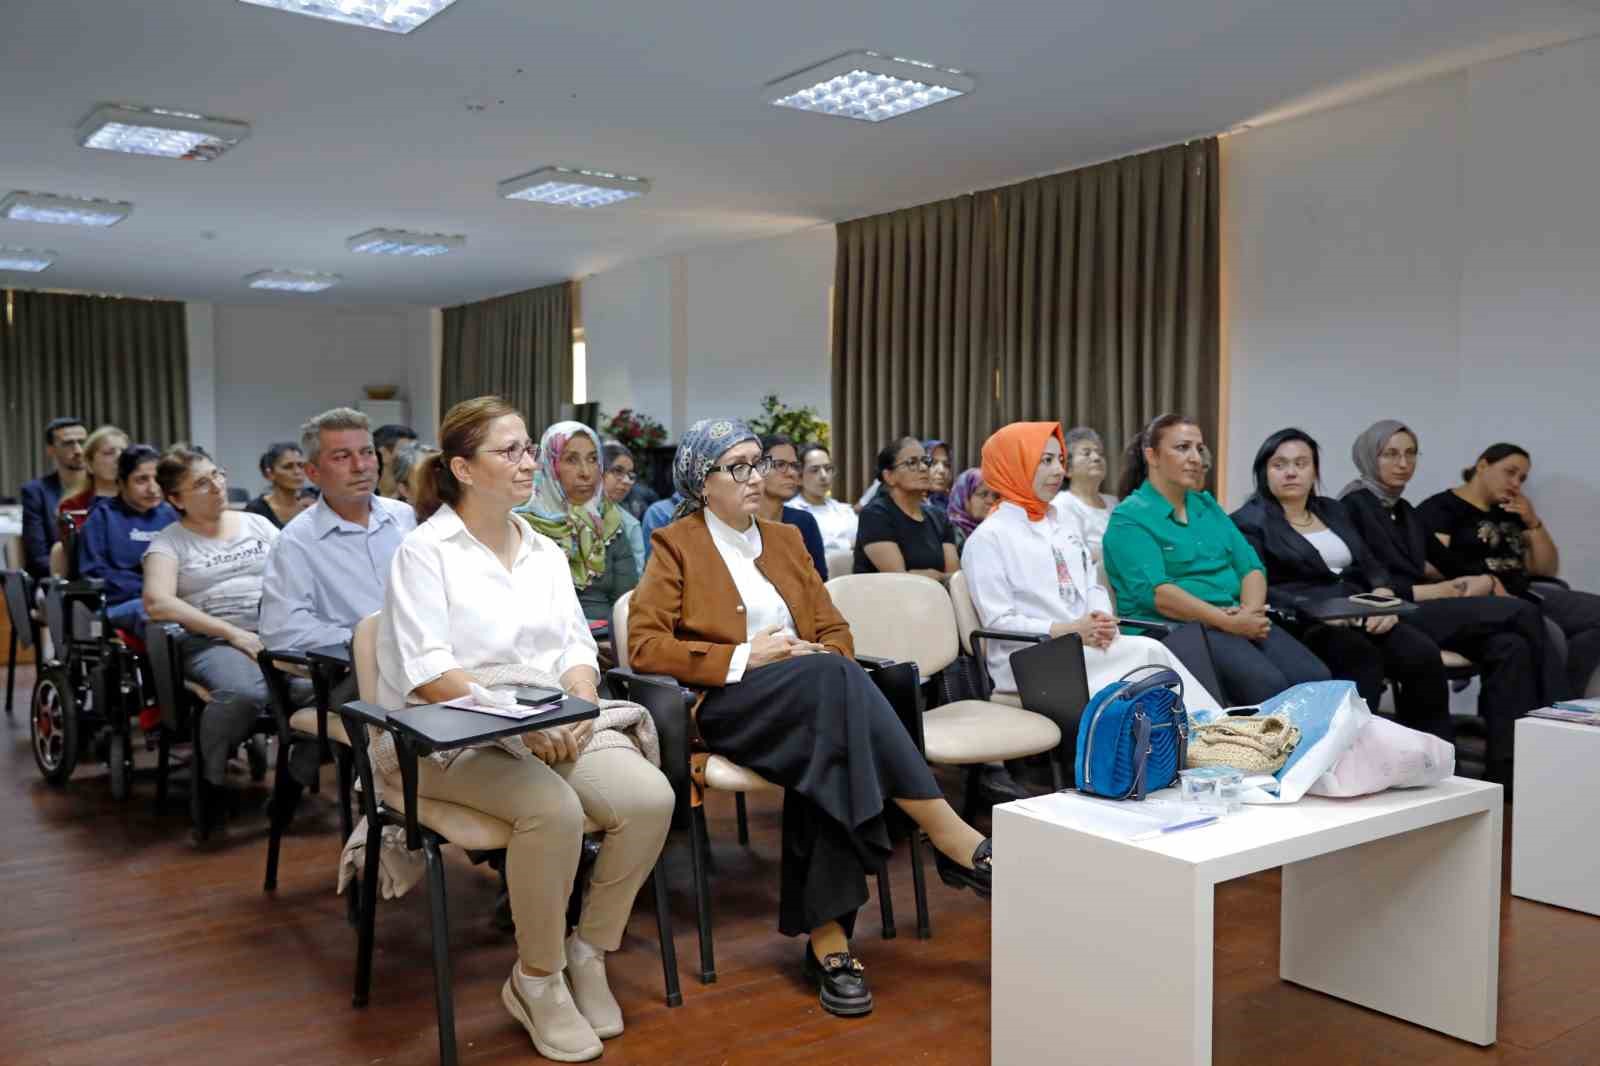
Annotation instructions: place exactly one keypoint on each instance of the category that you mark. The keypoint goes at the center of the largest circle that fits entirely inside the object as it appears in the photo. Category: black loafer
(842, 982)
(1001, 786)
(978, 878)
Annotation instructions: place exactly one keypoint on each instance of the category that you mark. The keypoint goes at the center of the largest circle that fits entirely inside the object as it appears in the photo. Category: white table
(1555, 821)
(1102, 948)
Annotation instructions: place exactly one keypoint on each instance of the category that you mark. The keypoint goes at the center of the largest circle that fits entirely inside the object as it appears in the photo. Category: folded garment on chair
(398, 866)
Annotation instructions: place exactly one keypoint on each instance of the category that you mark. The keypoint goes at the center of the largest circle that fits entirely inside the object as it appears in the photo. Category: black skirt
(818, 726)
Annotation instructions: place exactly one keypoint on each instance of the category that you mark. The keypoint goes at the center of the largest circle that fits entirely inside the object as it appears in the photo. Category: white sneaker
(593, 994)
(558, 1030)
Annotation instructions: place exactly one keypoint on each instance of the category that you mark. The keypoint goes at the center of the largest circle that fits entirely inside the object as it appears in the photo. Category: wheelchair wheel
(54, 725)
(121, 762)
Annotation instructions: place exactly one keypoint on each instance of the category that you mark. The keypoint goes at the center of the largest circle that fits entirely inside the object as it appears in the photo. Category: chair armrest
(1003, 634)
(367, 714)
(668, 705)
(281, 657)
(873, 662)
(1154, 626)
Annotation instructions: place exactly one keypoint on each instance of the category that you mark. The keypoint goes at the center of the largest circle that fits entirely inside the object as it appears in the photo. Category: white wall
(709, 333)
(271, 367)
(1432, 255)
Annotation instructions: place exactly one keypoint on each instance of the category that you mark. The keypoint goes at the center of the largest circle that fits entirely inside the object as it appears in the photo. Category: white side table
(1102, 948)
(1555, 819)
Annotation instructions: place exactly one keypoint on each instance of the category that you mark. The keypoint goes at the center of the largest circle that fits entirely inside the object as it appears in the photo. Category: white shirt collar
(747, 543)
(451, 527)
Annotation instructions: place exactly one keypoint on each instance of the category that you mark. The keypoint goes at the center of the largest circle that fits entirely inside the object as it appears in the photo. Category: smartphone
(537, 695)
(1372, 600)
(1243, 712)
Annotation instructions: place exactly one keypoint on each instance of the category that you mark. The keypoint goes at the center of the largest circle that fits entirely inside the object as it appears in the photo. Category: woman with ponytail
(507, 615)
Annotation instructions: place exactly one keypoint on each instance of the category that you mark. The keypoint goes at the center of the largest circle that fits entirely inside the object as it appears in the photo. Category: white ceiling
(355, 129)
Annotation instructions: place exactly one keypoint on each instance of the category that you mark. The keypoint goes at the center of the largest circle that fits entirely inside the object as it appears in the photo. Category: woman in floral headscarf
(568, 507)
(970, 503)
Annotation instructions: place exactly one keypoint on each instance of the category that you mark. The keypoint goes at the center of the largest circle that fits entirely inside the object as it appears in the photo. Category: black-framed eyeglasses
(784, 466)
(741, 472)
(513, 453)
(622, 473)
(921, 462)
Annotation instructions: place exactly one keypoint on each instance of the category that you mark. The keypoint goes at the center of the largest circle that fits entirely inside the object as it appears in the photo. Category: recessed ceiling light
(868, 86)
(403, 242)
(25, 259)
(574, 187)
(395, 16)
(63, 210)
(291, 280)
(157, 132)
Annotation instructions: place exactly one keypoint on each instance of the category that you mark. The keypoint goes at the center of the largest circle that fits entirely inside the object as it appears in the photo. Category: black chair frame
(25, 629)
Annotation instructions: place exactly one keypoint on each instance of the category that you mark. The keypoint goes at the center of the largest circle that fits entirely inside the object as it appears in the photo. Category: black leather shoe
(979, 878)
(1001, 786)
(842, 982)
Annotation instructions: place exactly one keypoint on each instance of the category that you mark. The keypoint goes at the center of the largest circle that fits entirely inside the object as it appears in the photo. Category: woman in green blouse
(1172, 552)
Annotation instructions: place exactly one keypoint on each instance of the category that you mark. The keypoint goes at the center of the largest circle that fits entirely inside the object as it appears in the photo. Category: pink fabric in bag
(1387, 755)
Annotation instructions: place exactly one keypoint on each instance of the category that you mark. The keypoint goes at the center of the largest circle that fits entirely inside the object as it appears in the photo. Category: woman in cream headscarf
(568, 507)
(1030, 571)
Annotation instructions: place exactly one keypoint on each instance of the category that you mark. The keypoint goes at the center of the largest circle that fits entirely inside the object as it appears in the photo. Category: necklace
(1310, 521)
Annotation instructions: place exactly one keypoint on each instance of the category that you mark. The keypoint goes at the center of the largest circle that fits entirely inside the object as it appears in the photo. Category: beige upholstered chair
(967, 623)
(907, 617)
(841, 562)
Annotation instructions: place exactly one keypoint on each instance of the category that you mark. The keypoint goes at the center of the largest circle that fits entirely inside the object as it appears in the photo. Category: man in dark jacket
(64, 438)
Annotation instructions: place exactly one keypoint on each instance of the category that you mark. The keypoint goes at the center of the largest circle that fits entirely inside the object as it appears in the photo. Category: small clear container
(1213, 789)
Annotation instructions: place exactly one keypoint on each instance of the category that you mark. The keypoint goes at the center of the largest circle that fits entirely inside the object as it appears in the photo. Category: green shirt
(1146, 546)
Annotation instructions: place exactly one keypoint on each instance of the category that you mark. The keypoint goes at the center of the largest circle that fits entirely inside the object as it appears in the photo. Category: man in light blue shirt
(330, 565)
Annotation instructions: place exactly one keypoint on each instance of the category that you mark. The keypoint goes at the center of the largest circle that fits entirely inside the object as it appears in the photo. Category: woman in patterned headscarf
(732, 605)
(568, 507)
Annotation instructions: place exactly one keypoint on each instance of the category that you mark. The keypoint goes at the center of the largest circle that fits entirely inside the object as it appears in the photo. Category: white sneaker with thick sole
(558, 1029)
(593, 994)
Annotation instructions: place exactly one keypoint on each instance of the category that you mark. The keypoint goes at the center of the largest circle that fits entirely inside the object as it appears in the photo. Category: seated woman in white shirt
(835, 519)
(1029, 569)
(477, 597)
(1081, 496)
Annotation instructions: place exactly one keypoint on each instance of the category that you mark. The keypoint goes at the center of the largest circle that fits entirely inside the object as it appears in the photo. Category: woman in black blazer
(1312, 551)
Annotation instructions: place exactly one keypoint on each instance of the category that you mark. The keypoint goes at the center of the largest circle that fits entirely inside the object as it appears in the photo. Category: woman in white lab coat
(1030, 571)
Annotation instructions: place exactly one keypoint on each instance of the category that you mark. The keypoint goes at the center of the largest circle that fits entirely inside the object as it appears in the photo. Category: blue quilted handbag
(1133, 735)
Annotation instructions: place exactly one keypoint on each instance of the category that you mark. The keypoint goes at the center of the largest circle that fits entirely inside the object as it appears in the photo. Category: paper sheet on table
(515, 710)
(1117, 819)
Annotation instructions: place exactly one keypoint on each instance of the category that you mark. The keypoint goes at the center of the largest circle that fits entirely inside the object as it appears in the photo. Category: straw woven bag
(1259, 745)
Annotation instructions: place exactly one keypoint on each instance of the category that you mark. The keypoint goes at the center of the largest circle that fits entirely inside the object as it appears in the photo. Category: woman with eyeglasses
(204, 572)
(899, 531)
(782, 484)
(479, 599)
(568, 507)
(732, 605)
(1081, 497)
(620, 479)
(836, 520)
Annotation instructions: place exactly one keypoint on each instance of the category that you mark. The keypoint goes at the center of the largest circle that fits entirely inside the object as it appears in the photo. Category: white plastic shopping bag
(1388, 755)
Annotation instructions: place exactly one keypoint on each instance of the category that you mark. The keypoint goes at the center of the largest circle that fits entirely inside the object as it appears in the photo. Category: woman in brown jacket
(733, 605)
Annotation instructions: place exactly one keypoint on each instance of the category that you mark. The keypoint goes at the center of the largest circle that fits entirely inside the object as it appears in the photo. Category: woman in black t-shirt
(1487, 526)
(897, 532)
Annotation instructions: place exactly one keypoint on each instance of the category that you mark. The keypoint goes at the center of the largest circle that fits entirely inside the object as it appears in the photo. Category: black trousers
(818, 726)
(1406, 655)
(1254, 671)
(1578, 615)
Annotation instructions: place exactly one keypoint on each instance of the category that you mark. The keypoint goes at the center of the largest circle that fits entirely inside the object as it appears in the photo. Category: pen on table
(1193, 823)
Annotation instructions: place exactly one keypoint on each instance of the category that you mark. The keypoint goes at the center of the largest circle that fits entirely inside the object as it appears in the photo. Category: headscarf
(1010, 458)
(582, 531)
(1364, 453)
(960, 494)
(939, 501)
(698, 452)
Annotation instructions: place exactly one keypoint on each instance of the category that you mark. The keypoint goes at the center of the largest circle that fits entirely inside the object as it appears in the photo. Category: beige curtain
(1108, 297)
(517, 346)
(911, 332)
(99, 358)
(1089, 298)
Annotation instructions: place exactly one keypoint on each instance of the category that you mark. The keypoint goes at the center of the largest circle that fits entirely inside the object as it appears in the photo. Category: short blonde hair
(100, 436)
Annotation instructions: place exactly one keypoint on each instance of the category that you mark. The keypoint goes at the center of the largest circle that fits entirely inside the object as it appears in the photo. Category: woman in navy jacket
(1312, 551)
(112, 543)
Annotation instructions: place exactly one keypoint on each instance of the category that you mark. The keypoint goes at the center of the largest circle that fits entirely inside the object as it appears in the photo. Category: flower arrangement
(799, 424)
(635, 429)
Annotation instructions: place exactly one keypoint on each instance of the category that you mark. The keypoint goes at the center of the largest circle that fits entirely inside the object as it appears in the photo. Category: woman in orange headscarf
(1029, 568)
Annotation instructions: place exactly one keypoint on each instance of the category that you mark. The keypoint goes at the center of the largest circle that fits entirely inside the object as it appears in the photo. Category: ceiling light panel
(574, 187)
(402, 242)
(868, 86)
(63, 210)
(393, 16)
(25, 259)
(156, 132)
(291, 280)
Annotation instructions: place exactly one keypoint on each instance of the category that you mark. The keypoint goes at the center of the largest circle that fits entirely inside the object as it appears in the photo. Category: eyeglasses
(622, 473)
(921, 462)
(741, 472)
(825, 468)
(209, 483)
(783, 466)
(1391, 455)
(513, 453)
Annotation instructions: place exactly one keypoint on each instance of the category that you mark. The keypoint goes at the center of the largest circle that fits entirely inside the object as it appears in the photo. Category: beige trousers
(616, 788)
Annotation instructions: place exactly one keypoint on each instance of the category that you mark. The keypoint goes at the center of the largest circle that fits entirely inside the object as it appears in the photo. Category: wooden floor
(120, 942)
